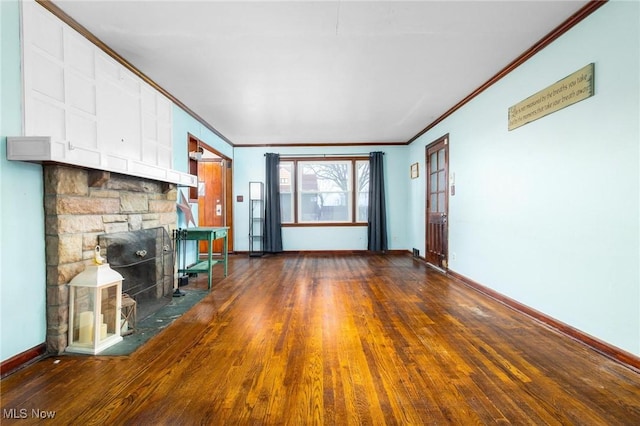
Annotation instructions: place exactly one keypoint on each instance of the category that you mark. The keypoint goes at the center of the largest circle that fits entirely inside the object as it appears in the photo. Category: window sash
(287, 190)
(324, 192)
(362, 192)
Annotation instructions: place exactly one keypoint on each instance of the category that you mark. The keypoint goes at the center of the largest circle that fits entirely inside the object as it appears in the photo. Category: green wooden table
(209, 235)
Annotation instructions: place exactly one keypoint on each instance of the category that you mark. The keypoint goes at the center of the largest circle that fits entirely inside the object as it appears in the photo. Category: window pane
(325, 207)
(308, 180)
(441, 202)
(362, 214)
(286, 208)
(441, 181)
(362, 191)
(286, 191)
(433, 160)
(325, 191)
(309, 208)
(433, 182)
(326, 176)
(441, 159)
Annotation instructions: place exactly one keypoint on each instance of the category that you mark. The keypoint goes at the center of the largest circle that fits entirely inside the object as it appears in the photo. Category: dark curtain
(377, 225)
(272, 220)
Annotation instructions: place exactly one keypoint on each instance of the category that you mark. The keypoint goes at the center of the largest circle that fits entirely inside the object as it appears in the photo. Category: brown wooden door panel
(211, 205)
(437, 173)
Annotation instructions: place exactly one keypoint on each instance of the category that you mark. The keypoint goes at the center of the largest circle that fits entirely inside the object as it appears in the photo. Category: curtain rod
(360, 154)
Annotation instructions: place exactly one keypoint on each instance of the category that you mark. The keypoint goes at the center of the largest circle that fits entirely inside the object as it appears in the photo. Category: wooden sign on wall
(571, 89)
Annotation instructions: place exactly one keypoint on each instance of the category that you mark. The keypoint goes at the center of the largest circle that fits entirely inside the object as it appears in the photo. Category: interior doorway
(437, 197)
(214, 191)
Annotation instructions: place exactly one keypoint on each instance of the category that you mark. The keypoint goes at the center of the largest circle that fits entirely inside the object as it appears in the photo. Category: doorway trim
(196, 144)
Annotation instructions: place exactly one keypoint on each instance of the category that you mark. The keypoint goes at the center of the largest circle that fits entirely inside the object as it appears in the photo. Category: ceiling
(300, 72)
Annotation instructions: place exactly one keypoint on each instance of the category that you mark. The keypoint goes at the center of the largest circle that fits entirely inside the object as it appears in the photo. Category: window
(332, 191)
(286, 191)
(362, 196)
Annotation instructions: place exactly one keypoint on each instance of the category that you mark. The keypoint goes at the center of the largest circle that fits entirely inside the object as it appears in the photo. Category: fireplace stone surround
(81, 205)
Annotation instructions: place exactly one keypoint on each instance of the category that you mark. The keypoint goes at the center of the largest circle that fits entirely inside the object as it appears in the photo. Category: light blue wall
(22, 258)
(183, 125)
(548, 214)
(249, 165)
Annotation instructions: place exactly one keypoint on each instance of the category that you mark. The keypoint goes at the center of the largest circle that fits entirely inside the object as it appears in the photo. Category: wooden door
(437, 172)
(211, 197)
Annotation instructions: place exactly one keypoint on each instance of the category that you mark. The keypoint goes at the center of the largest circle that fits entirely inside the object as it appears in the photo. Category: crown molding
(573, 20)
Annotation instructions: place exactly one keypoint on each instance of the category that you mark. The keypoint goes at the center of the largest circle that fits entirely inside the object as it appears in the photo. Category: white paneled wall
(95, 111)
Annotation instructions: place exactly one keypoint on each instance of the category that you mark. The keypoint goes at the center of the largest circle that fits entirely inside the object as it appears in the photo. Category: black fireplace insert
(145, 259)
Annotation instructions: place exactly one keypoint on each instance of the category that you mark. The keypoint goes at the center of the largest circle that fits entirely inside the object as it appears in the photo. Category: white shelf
(39, 149)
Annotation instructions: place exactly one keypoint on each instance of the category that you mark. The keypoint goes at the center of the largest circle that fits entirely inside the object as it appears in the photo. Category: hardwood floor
(324, 339)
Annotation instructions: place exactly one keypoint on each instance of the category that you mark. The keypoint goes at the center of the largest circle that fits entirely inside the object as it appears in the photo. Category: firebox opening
(145, 258)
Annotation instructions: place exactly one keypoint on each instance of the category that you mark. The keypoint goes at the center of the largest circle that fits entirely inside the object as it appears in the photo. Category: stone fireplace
(81, 207)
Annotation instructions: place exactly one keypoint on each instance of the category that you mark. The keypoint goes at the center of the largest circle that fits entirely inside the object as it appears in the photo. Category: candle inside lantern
(103, 331)
(86, 327)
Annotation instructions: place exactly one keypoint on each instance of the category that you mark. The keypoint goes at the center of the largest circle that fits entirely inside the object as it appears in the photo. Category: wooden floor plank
(335, 339)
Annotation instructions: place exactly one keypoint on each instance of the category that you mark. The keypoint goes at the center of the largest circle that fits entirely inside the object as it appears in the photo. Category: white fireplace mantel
(39, 149)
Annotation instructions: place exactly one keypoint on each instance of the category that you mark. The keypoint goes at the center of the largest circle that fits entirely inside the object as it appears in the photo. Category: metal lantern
(95, 302)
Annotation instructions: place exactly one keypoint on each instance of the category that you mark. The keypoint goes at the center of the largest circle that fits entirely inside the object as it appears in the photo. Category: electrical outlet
(453, 256)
